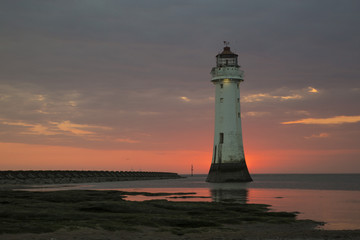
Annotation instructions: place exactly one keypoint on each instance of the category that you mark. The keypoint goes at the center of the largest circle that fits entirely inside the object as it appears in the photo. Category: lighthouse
(228, 160)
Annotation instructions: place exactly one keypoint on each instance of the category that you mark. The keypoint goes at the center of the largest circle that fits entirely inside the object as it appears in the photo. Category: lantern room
(227, 58)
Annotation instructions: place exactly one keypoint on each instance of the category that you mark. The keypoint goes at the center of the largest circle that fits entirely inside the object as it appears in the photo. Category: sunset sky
(125, 85)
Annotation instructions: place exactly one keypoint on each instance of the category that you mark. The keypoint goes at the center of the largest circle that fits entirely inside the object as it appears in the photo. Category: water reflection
(229, 195)
(229, 192)
(340, 209)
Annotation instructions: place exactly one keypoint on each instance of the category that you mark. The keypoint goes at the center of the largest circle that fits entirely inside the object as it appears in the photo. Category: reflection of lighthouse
(229, 195)
(228, 161)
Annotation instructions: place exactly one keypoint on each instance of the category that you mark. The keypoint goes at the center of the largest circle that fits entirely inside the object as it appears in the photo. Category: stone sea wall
(59, 177)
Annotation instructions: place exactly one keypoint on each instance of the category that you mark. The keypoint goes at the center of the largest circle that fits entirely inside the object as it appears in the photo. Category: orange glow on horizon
(17, 156)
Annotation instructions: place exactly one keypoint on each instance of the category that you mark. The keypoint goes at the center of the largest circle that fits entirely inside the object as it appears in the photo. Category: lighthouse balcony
(226, 72)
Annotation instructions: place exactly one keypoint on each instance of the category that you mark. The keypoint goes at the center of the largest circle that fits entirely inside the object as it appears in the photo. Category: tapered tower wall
(228, 122)
(228, 161)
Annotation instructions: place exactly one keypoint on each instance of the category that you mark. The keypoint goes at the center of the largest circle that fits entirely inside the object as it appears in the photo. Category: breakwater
(59, 177)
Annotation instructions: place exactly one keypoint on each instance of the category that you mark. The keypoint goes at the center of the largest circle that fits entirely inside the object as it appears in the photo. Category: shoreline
(99, 214)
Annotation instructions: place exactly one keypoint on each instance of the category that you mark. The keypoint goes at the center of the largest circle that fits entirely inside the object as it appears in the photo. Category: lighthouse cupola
(227, 67)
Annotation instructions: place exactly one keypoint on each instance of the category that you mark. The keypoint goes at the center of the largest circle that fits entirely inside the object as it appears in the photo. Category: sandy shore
(105, 215)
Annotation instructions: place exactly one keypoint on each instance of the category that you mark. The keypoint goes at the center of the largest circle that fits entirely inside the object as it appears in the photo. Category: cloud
(312, 90)
(41, 130)
(197, 99)
(260, 97)
(326, 121)
(256, 114)
(281, 94)
(185, 99)
(77, 129)
(29, 101)
(294, 96)
(37, 129)
(55, 128)
(320, 135)
(72, 103)
(39, 97)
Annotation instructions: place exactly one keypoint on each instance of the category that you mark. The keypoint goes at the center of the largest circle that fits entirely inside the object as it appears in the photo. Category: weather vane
(226, 43)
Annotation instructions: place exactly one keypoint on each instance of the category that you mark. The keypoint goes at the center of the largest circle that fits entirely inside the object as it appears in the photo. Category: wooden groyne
(59, 177)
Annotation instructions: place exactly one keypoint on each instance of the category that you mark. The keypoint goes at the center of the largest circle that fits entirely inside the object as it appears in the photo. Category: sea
(333, 199)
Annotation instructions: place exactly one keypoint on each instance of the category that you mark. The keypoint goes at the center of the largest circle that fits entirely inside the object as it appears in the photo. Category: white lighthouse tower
(228, 161)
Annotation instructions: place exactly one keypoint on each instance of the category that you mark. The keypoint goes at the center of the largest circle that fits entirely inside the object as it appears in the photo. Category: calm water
(331, 198)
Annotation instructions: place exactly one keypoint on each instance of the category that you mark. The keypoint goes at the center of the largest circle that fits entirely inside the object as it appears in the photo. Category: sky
(126, 85)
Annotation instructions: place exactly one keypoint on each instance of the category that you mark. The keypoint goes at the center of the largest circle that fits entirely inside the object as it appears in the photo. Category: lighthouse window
(221, 100)
(221, 138)
(238, 99)
(238, 115)
(221, 85)
(237, 85)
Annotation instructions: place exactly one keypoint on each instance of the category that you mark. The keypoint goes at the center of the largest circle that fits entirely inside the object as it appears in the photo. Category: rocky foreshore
(107, 215)
(60, 177)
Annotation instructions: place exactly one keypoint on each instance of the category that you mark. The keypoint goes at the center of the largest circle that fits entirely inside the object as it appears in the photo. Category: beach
(94, 214)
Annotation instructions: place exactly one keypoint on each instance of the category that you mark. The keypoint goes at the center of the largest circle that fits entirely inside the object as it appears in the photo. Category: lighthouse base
(228, 172)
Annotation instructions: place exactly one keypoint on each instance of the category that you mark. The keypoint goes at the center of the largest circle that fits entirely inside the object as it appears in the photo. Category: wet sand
(83, 214)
